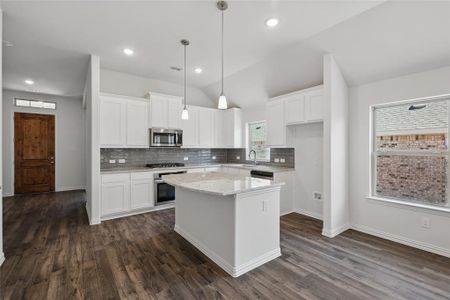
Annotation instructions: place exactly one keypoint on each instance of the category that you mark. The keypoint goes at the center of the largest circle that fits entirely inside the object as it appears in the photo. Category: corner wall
(2, 255)
(91, 103)
(396, 222)
(335, 168)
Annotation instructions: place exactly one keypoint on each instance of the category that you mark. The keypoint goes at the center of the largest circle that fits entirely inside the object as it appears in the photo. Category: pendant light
(222, 6)
(184, 113)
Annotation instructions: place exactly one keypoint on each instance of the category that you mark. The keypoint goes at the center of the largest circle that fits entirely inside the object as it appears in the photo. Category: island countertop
(219, 183)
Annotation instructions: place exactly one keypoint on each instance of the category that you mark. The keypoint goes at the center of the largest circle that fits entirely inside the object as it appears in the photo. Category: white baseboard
(234, 271)
(2, 258)
(286, 212)
(137, 212)
(308, 213)
(7, 194)
(335, 231)
(69, 188)
(402, 240)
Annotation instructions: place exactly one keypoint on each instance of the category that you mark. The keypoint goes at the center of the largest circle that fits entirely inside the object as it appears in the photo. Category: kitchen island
(232, 219)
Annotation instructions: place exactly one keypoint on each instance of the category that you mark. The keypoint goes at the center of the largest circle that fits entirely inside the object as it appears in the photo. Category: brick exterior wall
(418, 178)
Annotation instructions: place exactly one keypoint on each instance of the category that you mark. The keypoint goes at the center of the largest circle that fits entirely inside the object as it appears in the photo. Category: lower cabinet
(141, 190)
(123, 194)
(287, 191)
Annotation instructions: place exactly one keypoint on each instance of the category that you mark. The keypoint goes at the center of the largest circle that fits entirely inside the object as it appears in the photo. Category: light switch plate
(276, 160)
(213, 157)
(238, 157)
(186, 158)
(122, 160)
(282, 160)
(112, 161)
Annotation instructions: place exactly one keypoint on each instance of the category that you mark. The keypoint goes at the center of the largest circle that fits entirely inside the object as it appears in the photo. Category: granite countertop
(238, 166)
(219, 183)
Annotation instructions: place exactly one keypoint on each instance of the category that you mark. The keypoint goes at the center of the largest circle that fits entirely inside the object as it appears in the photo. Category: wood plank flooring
(52, 253)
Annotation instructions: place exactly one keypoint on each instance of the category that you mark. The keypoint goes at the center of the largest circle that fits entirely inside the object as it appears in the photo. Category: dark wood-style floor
(52, 253)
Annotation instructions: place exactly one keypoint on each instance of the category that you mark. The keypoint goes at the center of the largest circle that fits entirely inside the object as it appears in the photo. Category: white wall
(335, 183)
(91, 103)
(131, 85)
(69, 139)
(393, 221)
(2, 256)
(307, 140)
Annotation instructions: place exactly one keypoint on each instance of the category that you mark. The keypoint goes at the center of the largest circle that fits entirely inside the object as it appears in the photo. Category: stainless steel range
(164, 193)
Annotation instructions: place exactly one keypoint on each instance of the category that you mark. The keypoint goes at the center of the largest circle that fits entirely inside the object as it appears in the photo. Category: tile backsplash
(141, 157)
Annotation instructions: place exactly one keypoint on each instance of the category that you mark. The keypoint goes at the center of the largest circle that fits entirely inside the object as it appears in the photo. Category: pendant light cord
(222, 54)
(184, 76)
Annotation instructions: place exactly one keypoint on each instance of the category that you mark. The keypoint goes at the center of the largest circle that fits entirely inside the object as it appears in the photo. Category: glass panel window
(410, 151)
(257, 136)
(34, 103)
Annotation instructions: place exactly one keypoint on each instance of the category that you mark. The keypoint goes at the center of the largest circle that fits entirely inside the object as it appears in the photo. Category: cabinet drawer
(142, 175)
(115, 177)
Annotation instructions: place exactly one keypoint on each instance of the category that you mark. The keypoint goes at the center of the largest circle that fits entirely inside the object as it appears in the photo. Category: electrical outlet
(213, 157)
(426, 222)
(238, 157)
(186, 158)
(122, 160)
(276, 160)
(282, 160)
(317, 196)
(112, 161)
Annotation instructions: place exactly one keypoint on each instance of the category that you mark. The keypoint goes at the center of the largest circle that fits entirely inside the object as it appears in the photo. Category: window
(410, 151)
(34, 103)
(257, 135)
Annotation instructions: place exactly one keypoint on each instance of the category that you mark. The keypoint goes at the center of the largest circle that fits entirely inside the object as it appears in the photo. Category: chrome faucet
(254, 157)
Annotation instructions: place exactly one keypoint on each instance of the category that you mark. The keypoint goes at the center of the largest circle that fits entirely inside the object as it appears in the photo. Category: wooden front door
(34, 153)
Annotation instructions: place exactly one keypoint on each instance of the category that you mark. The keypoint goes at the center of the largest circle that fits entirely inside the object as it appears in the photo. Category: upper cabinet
(165, 111)
(306, 106)
(123, 122)
(190, 128)
(228, 128)
(206, 127)
(276, 126)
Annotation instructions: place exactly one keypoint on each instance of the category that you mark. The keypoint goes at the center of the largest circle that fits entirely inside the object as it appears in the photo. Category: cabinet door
(206, 127)
(142, 192)
(115, 194)
(315, 106)
(295, 109)
(112, 122)
(137, 124)
(159, 111)
(276, 129)
(174, 114)
(190, 129)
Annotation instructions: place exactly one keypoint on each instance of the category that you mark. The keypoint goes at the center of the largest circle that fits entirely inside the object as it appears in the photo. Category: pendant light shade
(222, 6)
(223, 102)
(184, 113)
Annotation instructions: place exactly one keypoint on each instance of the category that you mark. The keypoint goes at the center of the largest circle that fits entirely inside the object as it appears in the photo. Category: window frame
(247, 141)
(373, 154)
(34, 101)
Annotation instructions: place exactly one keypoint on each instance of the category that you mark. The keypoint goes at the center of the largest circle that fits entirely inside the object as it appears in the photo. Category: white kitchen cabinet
(287, 191)
(115, 193)
(137, 124)
(112, 122)
(123, 122)
(206, 127)
(276, 126)
(295, 109)
(228, 128)
(165, 111)
(314, 105)
(190, 128)
(141, 190)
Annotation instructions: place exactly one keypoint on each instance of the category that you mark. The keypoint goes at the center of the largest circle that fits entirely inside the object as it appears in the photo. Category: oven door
(164, 193)
(160, 137)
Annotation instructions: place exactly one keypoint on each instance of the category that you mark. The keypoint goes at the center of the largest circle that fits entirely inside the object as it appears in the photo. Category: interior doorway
(34, 153)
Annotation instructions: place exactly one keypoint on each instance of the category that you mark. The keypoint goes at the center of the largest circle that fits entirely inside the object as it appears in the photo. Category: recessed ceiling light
(128, 51)
(198, 70)
(29, 81)
(272, 22)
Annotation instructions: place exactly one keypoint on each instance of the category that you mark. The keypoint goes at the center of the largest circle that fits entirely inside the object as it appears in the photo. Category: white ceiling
(52, 39)
(393, 39)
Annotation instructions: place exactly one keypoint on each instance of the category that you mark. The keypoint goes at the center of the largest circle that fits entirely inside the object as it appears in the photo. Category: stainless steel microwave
(163, 137)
